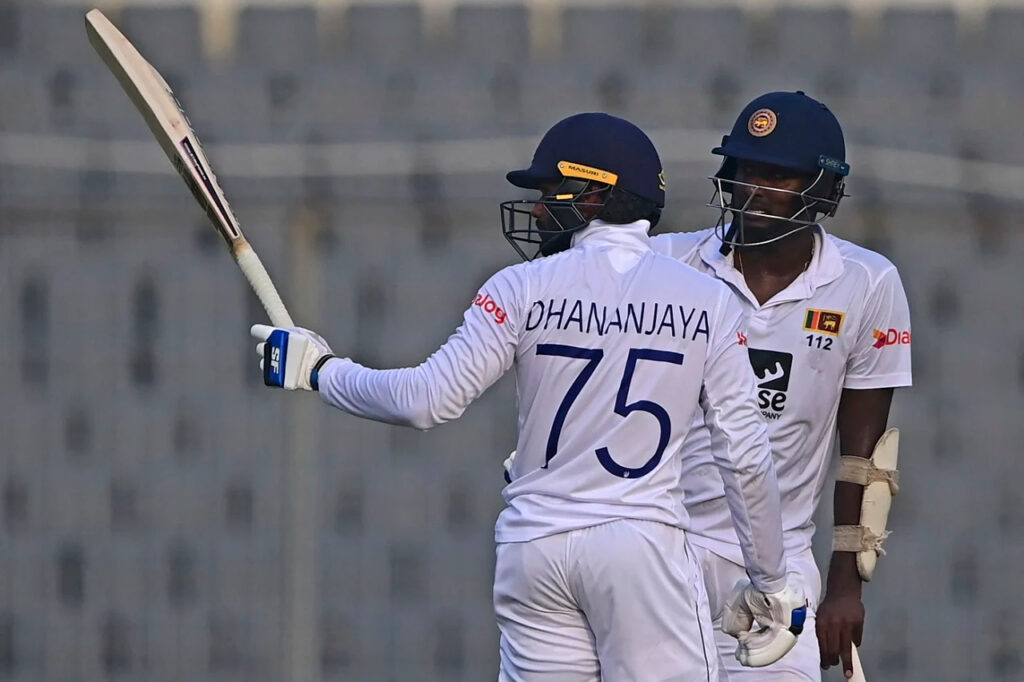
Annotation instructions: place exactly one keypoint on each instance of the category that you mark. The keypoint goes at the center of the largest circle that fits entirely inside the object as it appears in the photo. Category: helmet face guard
(563, 216)
(786, 130)
(808, 203)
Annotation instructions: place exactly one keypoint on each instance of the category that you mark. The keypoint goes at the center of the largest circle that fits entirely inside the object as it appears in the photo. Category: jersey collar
(629, 235)
(826, 266)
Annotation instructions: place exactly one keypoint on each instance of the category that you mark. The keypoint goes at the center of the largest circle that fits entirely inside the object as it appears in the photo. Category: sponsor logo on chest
(772, 370)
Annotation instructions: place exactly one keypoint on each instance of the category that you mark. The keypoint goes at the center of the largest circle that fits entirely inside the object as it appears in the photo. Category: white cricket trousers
(623, 601)
(803, 662)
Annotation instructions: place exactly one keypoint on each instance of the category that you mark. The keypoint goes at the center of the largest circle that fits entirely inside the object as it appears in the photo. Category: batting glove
(290, 357)
(779, 615)
(508, 466)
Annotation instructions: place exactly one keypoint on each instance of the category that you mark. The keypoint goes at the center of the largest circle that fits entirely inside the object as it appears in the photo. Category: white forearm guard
(881, 481)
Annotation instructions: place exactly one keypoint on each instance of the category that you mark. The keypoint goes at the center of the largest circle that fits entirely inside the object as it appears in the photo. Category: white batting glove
(508, 466)
(779, 615)
(290, 357)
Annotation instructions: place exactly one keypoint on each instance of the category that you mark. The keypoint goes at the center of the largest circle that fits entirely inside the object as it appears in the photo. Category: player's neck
(770, 268)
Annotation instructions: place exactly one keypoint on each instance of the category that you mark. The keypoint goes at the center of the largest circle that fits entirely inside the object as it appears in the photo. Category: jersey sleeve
(881, 354)
(740, 447)
(442, 387)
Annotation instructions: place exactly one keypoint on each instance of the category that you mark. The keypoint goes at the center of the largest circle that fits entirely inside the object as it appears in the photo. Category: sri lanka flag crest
(823, 321)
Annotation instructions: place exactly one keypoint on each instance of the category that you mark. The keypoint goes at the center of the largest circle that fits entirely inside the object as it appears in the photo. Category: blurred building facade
(149, 484)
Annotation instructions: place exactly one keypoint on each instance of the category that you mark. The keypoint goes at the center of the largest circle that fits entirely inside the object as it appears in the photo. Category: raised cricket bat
(160, 108)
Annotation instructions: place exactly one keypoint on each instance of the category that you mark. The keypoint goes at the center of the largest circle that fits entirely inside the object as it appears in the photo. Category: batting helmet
(580, 156)
(792, 131)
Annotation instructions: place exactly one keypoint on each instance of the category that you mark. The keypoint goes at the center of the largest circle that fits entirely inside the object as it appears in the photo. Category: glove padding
(508, 466)
(779, 615)
(290, 357)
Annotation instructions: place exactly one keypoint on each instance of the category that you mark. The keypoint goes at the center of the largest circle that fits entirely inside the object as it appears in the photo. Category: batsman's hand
(840, 625)
(778, 617)
(290, 357)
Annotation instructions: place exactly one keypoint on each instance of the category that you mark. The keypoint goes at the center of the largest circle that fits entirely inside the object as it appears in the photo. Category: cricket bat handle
(260, 282)
(858, 669)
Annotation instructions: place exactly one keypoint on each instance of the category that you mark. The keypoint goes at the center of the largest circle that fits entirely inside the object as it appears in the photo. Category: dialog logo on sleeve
(892, 337)
(485, 301)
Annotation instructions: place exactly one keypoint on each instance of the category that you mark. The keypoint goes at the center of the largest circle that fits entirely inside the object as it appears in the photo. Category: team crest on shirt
(823, 321)
(771, 370)
(762, 122)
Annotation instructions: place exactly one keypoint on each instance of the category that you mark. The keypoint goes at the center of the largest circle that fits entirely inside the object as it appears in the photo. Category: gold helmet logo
(762, 122)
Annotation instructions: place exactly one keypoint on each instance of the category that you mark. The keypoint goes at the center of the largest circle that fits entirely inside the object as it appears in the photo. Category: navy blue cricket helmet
(580, 157)
(792, 131)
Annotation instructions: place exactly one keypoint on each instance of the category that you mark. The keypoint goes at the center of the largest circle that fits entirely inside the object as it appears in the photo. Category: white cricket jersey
(843, 323)
(614, 347)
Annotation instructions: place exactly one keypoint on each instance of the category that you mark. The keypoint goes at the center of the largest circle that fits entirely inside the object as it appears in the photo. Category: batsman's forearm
(392, 396)
(843, 577)
(739, 444)
(862, 418)
(754, 503)
(436, 391)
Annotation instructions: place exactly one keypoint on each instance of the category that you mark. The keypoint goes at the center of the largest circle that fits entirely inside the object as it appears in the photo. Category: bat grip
(261, 283)
(858, 669)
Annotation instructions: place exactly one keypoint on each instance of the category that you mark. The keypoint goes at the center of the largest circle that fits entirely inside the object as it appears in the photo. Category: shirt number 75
(593, 356)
